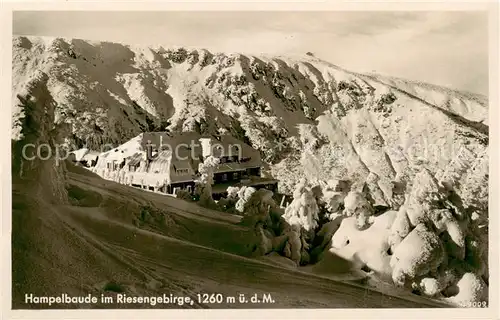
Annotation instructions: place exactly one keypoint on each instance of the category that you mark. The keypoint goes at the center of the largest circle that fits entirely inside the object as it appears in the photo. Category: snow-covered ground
(141, 243)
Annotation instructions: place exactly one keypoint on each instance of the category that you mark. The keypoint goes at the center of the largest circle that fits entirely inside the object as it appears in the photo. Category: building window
(224, 177)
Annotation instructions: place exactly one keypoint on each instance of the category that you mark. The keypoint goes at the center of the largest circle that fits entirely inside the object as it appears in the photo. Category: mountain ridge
(109, 92)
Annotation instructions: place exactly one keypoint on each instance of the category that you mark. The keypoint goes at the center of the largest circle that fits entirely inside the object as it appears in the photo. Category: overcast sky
(446, 48)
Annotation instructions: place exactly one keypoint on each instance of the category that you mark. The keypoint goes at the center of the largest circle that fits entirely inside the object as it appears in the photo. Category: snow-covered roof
(126, 150)
(188, 149)
(79, 153)
(90, 156)
(135, 159)
(160, 163)
(84, 154)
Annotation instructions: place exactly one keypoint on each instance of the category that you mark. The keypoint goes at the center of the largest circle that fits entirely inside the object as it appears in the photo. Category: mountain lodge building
(161, 162)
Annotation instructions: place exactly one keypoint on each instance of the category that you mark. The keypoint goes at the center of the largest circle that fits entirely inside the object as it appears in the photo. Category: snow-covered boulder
(430, 286)
(420, 252)
(368, 247)
(399, 229)
(472, 292)
(433, 286)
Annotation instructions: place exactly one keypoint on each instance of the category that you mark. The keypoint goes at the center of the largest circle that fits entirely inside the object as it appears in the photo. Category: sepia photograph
(239, 159)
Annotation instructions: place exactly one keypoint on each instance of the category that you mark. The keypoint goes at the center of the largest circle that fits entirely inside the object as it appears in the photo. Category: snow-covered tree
(232, 192)
(244, 194)
(228, 203)
(203, 188)
(303, 210)
(333, 193)
(356, 204)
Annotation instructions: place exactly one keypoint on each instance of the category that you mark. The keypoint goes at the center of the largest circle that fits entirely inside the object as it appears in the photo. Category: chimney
(206, 147)
(161, 143)
(149, 151)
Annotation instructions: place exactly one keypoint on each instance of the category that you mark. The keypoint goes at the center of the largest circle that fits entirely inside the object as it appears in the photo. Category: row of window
(132, 168)
(114, 165)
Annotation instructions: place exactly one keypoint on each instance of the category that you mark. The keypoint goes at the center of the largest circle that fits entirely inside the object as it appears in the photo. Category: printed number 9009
(477, 304)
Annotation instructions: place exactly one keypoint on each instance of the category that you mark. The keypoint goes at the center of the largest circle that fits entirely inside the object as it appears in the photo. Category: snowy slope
(99, 248)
